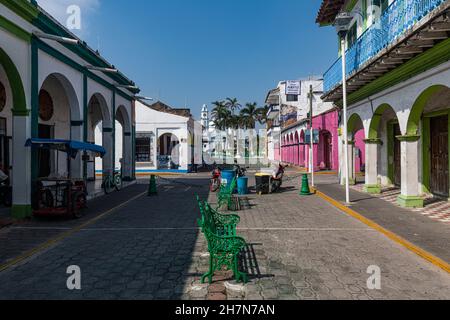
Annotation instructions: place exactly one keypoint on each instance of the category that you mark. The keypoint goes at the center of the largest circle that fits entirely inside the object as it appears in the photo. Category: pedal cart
(62, 196)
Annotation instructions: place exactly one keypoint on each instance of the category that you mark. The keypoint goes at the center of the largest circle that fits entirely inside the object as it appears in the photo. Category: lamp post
(341, 24)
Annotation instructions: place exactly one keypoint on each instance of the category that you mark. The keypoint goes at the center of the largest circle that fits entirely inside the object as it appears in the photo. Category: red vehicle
(62, 196)
(216, 180)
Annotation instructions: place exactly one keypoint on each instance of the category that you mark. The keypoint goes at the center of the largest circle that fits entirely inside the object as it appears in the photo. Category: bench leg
(239, 276)
(210, 273)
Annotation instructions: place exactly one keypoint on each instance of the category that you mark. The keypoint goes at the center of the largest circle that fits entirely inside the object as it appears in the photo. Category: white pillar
(21, 164)
(107, 143)
(127, 156)
(351, 163)
(372, 185)
(410, 190)
(77, 163)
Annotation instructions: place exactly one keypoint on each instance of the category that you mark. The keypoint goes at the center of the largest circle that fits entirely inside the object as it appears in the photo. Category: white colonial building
(55, 88)
(167, 139)
(398, 75)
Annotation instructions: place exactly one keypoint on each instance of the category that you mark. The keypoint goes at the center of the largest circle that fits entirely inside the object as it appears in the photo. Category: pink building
(326, 153)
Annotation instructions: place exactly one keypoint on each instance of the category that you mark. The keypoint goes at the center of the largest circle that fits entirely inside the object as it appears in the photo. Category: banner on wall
(294, 87)
(288, 115)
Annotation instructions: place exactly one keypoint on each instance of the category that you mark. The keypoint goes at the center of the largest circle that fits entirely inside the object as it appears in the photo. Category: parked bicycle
(112, 182)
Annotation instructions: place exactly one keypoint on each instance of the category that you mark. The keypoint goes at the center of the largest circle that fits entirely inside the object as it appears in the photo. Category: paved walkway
(151, 248)
(429, 234)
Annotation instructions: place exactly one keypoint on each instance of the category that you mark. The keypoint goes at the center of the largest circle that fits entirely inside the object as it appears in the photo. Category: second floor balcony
(406, 29)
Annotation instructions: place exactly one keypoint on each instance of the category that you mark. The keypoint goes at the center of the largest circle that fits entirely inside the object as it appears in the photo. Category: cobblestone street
(151, 248)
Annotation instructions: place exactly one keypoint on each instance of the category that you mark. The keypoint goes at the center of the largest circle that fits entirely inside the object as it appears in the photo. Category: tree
(221, 115)
(233, 104)
(249, 116)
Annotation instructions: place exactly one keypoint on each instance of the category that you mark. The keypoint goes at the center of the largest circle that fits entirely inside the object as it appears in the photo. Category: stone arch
(168, 151)
(374, 127)
(123, 139)
(418, 108)
(15, 81)
(98, 101)
(355, 124)
(69, 91)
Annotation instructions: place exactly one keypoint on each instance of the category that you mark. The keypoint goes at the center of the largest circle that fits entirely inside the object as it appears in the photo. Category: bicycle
(112, 182)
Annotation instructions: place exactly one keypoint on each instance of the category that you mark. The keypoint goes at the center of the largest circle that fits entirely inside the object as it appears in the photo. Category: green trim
(423, 62)
(408, 138)
(426, 156)
(14, 29)
(108, 130)
(66, 60)
(376, 120)
(410, 201)
(372, 188)
(418, 108)
(34, 110)
(352, 122)
(390, 152)
(15, 82)
(24, 9)
(350, 5)
(85, 120)
(21, 211)
(373, 141)
(29, 11)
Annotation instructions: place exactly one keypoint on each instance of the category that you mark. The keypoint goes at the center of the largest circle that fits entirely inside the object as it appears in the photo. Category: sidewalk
(428, 234)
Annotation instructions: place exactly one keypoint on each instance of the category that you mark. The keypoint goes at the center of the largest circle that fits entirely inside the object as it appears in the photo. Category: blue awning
(69, 146)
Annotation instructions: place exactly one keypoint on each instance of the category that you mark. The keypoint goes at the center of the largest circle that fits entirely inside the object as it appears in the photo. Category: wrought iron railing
(398, 18)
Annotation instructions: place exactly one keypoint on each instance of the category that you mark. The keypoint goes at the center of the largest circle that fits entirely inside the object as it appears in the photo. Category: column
(372, 184)
(410, 192)
(127, 157)
(107, 142)
(351, 163)
(76, 165)
(21, 164)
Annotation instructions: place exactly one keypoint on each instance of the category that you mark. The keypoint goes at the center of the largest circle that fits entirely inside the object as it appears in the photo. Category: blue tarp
(69, 146)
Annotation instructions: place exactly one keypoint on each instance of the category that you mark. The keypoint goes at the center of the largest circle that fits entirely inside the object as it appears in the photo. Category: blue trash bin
(227, 177)
(242, 184)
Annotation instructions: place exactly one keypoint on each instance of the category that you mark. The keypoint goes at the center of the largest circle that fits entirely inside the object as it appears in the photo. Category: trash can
(227, 177)
(262, 183)
(242, 184)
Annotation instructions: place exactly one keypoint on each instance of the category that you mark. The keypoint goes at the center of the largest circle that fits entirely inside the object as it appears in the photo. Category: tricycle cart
(62, 196)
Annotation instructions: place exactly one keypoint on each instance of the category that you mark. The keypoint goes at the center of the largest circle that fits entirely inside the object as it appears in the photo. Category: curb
(392, 236)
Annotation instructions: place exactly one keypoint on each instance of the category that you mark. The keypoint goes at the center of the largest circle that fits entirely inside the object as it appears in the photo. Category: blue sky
(200, 51)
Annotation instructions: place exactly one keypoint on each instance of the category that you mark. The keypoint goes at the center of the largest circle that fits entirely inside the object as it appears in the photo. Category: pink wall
(361, 146)
(297, 154)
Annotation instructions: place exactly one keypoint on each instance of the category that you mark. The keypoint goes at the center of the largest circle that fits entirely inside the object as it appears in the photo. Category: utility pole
(311, 153)
(344, 99)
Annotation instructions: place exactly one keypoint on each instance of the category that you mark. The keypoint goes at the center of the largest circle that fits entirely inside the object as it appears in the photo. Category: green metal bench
(223, 245)
(225, 195)
(226, 224)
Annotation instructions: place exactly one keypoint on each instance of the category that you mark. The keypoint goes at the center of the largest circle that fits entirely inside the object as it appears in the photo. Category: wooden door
(397, 156)
(439, 181)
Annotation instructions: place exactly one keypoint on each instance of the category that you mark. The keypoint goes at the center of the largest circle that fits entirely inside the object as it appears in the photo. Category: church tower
(205, 118)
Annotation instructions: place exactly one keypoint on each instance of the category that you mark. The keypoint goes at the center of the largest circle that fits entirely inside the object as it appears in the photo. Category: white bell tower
(205, 118)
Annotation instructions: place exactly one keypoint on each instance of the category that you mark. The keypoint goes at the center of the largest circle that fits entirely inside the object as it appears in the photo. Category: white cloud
(58, 9)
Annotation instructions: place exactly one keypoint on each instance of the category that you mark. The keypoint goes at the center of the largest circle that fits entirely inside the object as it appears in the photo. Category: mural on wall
(288, 115)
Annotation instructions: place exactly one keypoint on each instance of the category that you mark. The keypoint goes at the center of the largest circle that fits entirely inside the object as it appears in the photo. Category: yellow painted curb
(64, 235)
(418, 251)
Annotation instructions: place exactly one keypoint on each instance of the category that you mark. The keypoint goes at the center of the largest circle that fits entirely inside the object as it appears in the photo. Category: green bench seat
(223, 245)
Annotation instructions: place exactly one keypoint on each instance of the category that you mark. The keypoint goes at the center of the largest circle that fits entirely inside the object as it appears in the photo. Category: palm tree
(249, 116)
(262, 114)
(232, 104)
(221, 115)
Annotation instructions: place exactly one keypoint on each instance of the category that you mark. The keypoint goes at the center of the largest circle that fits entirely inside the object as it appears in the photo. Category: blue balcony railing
(398, 18)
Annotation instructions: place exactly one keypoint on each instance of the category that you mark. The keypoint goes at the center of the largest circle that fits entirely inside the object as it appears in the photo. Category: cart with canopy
(62, 196)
